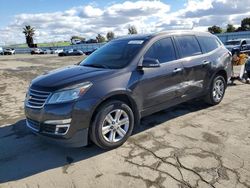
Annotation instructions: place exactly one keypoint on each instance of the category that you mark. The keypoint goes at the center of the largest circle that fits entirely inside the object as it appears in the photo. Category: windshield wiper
(97, 66)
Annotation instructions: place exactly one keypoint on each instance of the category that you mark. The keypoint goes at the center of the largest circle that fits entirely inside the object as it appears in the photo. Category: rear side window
(188, 45)
(163, 50)
(208, 44)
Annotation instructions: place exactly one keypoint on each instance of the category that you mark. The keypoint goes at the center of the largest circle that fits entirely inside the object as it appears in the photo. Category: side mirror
(150, 63)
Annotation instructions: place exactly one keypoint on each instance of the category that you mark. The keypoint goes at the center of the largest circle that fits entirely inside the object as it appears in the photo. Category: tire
(216, 90)
(106, 124)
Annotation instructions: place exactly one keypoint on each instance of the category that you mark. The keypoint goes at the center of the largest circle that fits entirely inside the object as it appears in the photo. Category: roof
(170, 32)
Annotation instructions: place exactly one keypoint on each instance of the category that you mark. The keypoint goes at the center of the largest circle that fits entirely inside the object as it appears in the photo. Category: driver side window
(163, 50)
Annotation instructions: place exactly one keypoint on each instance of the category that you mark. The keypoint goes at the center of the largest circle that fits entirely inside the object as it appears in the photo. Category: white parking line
(4, 125)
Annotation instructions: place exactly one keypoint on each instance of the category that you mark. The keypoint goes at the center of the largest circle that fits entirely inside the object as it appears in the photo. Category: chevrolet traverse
(103, 97)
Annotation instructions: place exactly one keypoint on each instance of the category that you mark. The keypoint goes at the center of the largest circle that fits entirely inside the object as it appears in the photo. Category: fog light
(62, 126)
(58, 122)
(62, 129)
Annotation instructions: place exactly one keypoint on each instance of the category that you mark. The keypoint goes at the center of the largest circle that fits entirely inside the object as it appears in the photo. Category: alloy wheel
(218, 90)
(115, 125)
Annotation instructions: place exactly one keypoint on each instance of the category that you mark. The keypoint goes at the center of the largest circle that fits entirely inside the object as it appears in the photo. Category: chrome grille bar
(36, 98)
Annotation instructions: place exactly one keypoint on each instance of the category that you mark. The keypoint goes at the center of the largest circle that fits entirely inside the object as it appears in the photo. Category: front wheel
(216, 90)
(113, 125)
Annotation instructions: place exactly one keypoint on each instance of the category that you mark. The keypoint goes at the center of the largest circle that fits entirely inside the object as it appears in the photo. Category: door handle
(177, 70)
(205, 62)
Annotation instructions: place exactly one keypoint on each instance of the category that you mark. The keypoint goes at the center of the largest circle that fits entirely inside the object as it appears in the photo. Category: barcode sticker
(135, 42)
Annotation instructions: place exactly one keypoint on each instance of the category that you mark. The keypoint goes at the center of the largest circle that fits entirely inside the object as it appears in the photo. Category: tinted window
(208, 44)
(114, 55)
(163, 50)
(233, 42)
(189, 46)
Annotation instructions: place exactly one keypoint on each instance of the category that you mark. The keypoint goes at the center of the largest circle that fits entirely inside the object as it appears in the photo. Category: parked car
(90, 52)
(9, 51)
(57, 51)
(247, 66)
(75, 41)
(238, 45)
(71, 52)
(37, 51)
(104, 97)
(48, 51)
(90, 41)
(1, 51)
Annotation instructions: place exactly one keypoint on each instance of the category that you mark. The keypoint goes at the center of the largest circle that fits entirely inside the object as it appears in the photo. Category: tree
(100, 38)
(132, 30)
(230, 28)
(245, 24)
(215, 29)
(239, 29)
(29, 33)
(110, 35)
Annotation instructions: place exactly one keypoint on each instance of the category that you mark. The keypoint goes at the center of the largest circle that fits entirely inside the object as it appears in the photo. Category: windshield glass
(234, 42)
(114, 55)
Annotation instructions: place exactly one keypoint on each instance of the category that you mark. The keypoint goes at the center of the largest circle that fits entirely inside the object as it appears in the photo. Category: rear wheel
(216, 91)
(112, 125)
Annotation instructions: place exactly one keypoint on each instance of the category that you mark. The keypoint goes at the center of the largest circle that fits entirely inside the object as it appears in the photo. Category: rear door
(196, 65)
(160, 85)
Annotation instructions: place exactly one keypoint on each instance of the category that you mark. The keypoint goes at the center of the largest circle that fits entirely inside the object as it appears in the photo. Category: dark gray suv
(104, 97)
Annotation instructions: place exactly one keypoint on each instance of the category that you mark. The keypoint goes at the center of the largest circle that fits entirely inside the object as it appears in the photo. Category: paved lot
(191, 145)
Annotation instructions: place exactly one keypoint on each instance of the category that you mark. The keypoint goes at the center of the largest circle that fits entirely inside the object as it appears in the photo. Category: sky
(58, 20)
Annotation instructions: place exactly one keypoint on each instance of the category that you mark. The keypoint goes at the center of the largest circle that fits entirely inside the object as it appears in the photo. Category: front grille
(41, 127)
(36, 99)
(48, 128)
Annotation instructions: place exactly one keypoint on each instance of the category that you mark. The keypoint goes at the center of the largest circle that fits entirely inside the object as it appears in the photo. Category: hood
(67, 76)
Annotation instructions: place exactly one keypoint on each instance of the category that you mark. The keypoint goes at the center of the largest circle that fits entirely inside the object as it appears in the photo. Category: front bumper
(74, 118)
(79, 139)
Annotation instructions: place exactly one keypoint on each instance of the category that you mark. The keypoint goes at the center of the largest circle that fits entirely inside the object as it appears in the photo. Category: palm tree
(29, 33)
(132, 30)
(110, 35)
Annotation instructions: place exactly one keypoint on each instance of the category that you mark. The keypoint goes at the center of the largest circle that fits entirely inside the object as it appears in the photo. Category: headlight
(69, 93)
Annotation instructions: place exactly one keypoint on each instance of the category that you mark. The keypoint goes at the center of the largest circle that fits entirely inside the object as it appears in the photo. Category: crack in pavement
(149, 183)
(182, 181)
(220, 169)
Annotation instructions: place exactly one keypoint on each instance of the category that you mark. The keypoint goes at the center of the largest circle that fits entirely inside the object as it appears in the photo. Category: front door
(162, 84)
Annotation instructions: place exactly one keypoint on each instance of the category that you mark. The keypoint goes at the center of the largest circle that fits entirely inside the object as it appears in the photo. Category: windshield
(234, 42)
(114, 55)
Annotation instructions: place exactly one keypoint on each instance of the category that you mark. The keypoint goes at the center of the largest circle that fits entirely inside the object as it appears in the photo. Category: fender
(218, 70)
(113, 95)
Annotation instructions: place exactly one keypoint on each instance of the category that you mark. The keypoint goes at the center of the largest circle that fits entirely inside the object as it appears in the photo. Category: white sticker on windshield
(135, 42)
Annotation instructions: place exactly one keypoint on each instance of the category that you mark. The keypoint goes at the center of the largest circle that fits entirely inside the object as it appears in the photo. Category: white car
(1, 51)
(76, 41)
(57, 51)
(48, 51)
(36, 51)
(9, 51)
